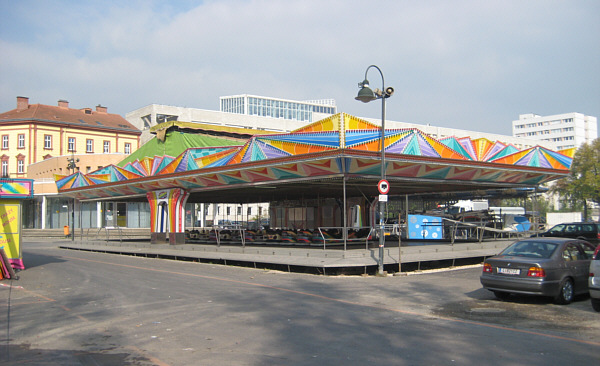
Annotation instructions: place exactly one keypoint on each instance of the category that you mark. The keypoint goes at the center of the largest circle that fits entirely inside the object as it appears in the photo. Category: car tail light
(536, 272)
(487, 268)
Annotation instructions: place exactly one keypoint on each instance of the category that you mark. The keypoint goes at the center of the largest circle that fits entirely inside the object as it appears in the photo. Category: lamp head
(365, 94)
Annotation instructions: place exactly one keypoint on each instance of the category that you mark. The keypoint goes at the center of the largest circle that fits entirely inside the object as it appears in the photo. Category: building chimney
(101, 109)
(22, 103)
(63, 103)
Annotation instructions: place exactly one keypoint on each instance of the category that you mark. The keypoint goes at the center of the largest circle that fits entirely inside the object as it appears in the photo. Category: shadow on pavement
(24, 355)
(35, 260)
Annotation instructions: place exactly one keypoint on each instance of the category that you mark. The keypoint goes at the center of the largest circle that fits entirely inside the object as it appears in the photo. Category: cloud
(465, 64)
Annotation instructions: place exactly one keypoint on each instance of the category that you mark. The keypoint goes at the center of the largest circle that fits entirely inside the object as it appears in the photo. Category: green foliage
(583, 184)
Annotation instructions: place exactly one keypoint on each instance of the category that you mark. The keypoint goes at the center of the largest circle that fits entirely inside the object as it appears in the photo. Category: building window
(106, 147)
(21, 141)
(249, 211)
(71, 144)
(4, 168)
(48, 142)
(127, 148)
(4, 142)
(89, 145)
(20, 166)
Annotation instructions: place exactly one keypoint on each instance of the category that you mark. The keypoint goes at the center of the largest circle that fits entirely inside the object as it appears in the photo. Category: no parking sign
(383, 186)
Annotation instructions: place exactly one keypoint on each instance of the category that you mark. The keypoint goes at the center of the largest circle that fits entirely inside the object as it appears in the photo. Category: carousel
(324, 177)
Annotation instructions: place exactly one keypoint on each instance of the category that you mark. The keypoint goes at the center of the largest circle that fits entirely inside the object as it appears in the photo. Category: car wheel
(501, 295)
(565, 295)
(596, 304)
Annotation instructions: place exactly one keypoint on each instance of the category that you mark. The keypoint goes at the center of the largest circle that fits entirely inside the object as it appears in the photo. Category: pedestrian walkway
(414, 256)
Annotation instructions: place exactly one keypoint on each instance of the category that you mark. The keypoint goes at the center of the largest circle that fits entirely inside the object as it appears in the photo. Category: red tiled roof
(84, 118)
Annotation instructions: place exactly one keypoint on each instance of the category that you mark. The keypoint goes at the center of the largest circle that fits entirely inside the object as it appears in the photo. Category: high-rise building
(568, 130)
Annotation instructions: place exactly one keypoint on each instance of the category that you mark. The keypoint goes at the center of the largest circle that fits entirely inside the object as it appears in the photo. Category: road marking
(380, 307)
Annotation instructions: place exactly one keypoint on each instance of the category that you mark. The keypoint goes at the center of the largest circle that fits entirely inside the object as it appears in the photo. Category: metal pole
(80, 224)
(73, 221)
(382, 204)
(406, 215)
(345, 216)
(399, 244)
(366, 95)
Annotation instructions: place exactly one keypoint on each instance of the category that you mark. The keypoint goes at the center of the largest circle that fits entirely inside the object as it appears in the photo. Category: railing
(124, 232)
(465, 230)
(344, 239)
(236, 228)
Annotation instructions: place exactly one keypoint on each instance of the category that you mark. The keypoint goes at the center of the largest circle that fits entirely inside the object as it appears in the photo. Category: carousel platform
(331, 260)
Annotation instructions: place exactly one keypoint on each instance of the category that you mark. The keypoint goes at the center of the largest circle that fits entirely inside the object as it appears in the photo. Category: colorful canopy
(318, 150)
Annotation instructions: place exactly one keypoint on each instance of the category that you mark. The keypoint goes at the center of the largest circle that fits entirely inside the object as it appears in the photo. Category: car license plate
(509, 271)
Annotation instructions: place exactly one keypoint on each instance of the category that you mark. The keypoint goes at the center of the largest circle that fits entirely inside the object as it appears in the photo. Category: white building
(232, 214)
(283, 115)
(442, 132)
(243, 111)
(253, 105)
(566, 130)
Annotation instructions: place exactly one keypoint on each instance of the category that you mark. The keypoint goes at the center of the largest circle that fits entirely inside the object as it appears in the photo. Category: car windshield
(530, 248)
(557, 229)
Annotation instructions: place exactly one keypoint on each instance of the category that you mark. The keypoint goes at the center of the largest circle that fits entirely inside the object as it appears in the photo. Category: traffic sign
(383, 186)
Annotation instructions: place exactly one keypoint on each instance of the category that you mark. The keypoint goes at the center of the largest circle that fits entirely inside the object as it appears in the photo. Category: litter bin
(66, 230)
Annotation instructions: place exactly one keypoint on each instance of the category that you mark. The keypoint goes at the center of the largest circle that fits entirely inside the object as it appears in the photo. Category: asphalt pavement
(74, 307)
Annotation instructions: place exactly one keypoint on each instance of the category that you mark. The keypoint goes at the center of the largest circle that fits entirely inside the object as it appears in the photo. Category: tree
(583, 183)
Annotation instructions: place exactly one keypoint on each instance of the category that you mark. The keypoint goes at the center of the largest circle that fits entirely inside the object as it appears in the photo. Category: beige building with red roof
(32, 133)
(36, 141)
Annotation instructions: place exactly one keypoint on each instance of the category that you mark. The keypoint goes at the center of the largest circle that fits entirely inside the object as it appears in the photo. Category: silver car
(594, 281)
(554, 267)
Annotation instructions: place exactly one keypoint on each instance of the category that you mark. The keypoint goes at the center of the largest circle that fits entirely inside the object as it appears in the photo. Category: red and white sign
(383, 186)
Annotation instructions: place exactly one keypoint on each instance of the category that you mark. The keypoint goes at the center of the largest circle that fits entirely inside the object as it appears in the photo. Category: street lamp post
(73, 166)
(367, 95)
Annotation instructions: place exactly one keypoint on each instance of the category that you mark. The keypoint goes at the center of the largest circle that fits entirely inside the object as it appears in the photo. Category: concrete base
(176, 238)
(158, 238)
(327, 261)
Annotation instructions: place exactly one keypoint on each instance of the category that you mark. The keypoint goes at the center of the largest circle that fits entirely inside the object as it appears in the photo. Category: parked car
(554, 267)
(589, 231)
(594, 280)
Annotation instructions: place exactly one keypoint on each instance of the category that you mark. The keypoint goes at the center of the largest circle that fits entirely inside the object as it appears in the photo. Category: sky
(467, 64)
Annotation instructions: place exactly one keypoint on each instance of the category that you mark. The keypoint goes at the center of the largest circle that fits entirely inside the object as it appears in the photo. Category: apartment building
(568, 130)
